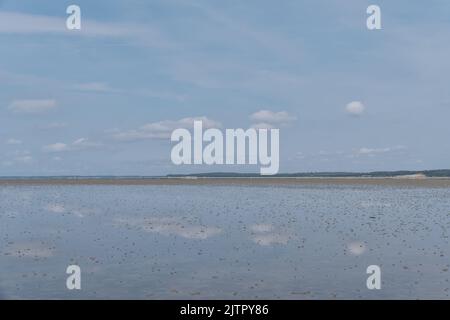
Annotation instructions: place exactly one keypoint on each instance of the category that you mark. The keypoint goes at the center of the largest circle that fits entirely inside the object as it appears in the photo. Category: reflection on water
(200, 242)
(171, 226)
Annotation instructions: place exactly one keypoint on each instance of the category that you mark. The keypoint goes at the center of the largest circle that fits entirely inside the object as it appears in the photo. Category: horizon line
(224, 173)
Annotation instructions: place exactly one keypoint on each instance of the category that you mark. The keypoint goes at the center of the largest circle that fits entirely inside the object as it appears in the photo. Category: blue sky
(102, 100)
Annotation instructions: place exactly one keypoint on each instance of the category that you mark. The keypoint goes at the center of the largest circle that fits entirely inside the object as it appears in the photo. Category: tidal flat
(263, 238)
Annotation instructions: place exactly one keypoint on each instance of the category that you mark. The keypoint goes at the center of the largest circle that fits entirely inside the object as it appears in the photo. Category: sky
(103, 100)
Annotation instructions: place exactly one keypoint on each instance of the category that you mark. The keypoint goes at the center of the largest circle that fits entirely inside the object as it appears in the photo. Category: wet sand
(197, 240)
(396, 181)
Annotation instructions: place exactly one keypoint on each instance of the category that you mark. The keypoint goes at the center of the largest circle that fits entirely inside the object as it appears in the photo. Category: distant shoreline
(439, 182)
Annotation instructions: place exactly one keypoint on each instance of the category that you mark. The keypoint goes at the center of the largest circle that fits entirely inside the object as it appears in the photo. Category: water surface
(224, 241)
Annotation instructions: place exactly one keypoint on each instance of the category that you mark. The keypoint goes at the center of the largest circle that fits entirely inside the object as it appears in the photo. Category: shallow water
(224, 242)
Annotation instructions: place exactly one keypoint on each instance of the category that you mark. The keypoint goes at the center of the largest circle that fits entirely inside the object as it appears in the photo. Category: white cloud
(13, 141)
(54, 125)
(355, 108)
(32, 106)
(267, 117)
(163, 129)
(84, 143)
(24, 159)
(7, 163)
(79, 144)
(19, 23)
(29, 24)
(262, 125)
(372, 151)
(94, 87)
(18, 157)
(56, 147)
